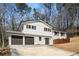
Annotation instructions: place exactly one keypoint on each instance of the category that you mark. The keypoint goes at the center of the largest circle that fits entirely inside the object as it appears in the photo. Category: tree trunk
(2, 33)
(2, 39)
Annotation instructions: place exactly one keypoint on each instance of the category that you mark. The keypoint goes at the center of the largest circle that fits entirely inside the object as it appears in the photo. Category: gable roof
(32, 21)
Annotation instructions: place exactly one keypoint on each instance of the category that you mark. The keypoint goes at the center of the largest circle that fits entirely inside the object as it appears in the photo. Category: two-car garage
(18, 40)
(27, 40)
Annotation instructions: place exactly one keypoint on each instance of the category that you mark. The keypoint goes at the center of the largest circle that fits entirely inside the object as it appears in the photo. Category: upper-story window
(47, 29)
(34, 27)
(62, 34)
(31, 27)
(27, 26)
(56, 33)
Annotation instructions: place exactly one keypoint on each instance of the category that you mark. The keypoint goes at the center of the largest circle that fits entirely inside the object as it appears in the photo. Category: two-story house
(33, 33)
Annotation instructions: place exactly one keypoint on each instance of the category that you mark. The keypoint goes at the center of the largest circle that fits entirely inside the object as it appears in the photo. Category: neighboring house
(34, 33)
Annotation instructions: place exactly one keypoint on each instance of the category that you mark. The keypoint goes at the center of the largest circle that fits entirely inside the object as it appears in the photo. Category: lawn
(72, 46)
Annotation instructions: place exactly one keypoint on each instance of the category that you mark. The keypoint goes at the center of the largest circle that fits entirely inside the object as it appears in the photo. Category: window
(39, 38)
(62, 34)
(34, 27)
(44, 29)
(27, 26)
(31, 27)
(56, 33)
(47, 29)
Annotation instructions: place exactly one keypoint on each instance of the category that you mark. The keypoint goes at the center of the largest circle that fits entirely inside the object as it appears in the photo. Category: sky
(34, 5)
(38, 6)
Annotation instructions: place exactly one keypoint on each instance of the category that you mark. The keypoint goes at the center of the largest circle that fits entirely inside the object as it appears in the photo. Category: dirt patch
(5, 52)
(72, 46)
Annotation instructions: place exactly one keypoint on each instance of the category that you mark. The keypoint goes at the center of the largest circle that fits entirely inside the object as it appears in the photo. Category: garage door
(29, 40)
(16, 40)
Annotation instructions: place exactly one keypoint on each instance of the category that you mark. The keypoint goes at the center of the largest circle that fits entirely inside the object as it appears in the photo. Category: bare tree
(2, 11)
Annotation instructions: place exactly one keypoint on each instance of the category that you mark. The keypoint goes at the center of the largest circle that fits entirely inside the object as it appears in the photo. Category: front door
(47, 41)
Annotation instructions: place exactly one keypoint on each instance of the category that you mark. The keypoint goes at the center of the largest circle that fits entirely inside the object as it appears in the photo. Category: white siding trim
(36, 41)
(9, 40)
(23, 40)
(50, 41)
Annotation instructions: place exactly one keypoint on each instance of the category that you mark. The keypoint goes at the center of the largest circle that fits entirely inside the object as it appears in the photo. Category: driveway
(38, 50)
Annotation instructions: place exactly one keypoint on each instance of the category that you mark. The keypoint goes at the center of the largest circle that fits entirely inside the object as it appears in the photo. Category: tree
(48, 11)
(70, 13)
(38, 15)
(35, 16)
(23, 9)
(12, 24)
(2, 30)
(12, 18)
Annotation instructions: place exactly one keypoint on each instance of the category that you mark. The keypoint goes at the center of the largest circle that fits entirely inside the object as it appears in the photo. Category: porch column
(9, 40)
(60, 35)
(23, 40)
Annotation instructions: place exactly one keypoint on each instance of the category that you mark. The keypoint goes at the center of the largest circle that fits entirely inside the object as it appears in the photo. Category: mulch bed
(5, 52)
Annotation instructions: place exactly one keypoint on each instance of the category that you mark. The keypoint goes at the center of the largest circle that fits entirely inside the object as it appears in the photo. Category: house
(34, 33)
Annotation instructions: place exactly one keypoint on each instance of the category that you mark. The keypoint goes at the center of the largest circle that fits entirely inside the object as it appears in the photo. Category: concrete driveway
(38, 50)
